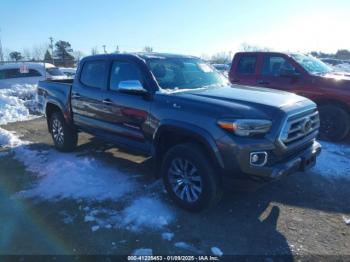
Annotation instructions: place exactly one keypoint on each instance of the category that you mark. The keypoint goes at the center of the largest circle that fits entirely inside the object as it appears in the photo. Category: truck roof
(142, 55)
(267, 52)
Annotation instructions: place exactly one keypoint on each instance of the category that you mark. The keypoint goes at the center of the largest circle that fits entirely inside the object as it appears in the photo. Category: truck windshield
(312, 65)
(184, 73)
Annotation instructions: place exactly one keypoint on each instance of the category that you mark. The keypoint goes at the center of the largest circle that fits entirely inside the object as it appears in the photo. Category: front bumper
(303, 161)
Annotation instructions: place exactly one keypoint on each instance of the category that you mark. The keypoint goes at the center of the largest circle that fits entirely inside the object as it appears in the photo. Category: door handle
(76, 95)
(262, 82)
(235, 81)
(107, 102)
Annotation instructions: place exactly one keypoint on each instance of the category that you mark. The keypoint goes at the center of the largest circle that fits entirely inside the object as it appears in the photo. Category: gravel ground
(303, 214)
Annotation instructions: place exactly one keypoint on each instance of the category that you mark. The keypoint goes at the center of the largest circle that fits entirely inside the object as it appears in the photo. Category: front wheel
(335, 123)
(189, 177)
(64, 136)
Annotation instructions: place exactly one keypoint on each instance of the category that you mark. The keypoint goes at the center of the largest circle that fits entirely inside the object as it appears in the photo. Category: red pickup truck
(303, 75)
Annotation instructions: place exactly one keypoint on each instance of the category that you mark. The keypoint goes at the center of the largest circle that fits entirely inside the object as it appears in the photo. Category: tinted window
(54, 71)
(15, 73)
(93, 74)
(275, 65)
(184, 73)
(2, 74)
(123, 71)
(246, 65)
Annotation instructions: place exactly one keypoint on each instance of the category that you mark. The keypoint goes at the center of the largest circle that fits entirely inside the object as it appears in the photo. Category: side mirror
(131, 86)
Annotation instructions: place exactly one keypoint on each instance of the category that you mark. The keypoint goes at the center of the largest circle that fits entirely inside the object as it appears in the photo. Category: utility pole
(51, 46)
(104, 49)
(1, 53)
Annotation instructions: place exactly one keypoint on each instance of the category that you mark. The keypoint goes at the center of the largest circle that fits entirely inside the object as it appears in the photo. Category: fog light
(258, 158)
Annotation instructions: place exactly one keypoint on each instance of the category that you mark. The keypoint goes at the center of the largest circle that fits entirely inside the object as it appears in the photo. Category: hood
(336, 80)
(337, 76)
(249, 95)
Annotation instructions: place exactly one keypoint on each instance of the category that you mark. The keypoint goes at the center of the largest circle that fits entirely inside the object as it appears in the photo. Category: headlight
(246, 127)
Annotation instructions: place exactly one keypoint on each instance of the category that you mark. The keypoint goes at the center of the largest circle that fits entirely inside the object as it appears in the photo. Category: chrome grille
(299, 126)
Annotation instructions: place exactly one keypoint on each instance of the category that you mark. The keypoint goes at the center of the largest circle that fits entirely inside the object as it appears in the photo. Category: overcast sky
(181, 26)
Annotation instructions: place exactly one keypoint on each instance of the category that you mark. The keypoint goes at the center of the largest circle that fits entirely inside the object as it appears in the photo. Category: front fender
(193, 131)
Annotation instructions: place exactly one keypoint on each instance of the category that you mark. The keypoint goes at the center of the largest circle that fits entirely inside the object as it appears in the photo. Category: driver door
(126, 114)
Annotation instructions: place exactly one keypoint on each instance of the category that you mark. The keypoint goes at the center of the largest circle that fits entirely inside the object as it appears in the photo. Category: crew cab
(305, 76)
(199, 130)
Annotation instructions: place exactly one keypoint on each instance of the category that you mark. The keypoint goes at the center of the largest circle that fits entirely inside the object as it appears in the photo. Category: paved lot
(302, 214)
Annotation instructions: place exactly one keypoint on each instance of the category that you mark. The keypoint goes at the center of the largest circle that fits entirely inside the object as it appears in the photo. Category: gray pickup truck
(200, 131)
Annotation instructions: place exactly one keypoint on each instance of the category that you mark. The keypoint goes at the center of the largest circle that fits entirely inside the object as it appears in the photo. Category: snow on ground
(167, 236)
(9, 139)
(18, 103)
(334, 161)
(140, 214)
(186, 246)
(143, 252)
(217, 251)
(61, 176)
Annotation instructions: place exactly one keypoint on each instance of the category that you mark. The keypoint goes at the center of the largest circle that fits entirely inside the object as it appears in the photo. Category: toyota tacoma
(201, 132)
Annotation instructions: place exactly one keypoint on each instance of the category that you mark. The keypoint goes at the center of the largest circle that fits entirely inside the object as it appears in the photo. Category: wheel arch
(171, 133)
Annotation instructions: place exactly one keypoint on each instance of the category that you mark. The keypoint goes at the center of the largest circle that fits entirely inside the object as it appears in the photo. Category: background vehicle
(223, 68)
(177, 109)
(303, 75)
(69, 72)
(27, 73)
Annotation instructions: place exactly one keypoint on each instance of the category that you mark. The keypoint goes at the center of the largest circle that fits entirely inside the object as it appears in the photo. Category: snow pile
(217, 251)
(143, 213)
(18, 103)
(148, 213)
(143, 252)
(9, 139)
(334, 161)
(167, 236)
(185, 246)
(69, 176)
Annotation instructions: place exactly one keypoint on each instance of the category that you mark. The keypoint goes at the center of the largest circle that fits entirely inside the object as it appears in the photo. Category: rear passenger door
(278, 73)
(86, 99)
(245, 71)
(126, 114)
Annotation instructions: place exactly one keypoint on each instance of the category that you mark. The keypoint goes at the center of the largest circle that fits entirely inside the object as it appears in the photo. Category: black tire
(69, 141)
(211, 190)
(335, 123)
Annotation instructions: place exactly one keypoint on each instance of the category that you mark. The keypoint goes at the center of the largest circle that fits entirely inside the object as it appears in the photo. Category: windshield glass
(54, 71)
(312, 65)
(184, 73)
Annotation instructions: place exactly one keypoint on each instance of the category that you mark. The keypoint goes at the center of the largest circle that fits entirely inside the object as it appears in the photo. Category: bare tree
(94, 51)
(38, 52)
(251, 48)
(78, 55)
(27, 55)
(221, 58)
(148, 49)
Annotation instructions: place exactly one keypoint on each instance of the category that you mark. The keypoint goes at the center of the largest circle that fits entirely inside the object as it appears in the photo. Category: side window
(275, 65)
(2, 74)
(12, 73)
(246, 64)
(94, 73)
(123, 71)
(32, 73)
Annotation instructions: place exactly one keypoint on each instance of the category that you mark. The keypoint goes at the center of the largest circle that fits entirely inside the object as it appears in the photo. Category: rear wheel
(64, 136)
(335, 123)
(189, 178)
